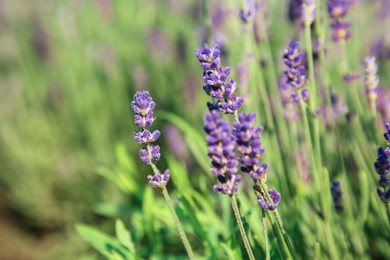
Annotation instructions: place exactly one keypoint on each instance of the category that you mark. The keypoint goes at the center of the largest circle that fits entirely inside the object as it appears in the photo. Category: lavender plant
(143, 106)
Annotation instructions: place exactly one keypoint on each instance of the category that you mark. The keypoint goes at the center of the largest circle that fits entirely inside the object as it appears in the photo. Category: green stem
(290, 249)
(264, 219)
(241, 227)
(388, 211)
(178, 225)
(313, 94)
(172, 209)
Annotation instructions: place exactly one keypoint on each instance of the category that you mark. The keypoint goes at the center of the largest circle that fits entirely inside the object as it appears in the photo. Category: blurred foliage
(68, 71)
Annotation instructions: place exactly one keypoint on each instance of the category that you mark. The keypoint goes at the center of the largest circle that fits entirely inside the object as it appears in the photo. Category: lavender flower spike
(382, 167)
(295, 71)
(249, 146)
(371, 79)
(143, 106)
(221, 151)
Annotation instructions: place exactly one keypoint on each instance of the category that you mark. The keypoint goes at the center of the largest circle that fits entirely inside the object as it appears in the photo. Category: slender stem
(264, 191)
(178, 225)
(172, 209)
(264, 219)
(241, 227)
(309, 49)
(388, 211)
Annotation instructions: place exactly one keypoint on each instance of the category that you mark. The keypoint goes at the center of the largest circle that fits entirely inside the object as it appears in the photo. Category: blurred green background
(68, 71)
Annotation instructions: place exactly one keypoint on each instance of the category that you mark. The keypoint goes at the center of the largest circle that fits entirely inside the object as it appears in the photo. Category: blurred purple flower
(308, 11)
(351, 78)
(337, 196)
(337, 8)
(175, 142)
(383, 104)
(371, 79)
(340, 31)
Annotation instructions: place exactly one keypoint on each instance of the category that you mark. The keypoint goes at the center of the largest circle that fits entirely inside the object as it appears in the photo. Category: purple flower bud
(142, 104)
(275, 197)
(337, 196)
(350, 78)
(146, 137)
(155, 153)
(208, 57)
(337, 8)
(159, 180)
(340, 31)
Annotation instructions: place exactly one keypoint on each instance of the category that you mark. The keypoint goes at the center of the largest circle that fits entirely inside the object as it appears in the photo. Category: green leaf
(102, 242)
(124, 235)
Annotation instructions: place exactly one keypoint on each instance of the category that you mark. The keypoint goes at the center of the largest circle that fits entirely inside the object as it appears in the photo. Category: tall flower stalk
(143, 106)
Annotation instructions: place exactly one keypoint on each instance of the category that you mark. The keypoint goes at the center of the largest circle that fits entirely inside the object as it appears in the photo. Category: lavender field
(184, 129)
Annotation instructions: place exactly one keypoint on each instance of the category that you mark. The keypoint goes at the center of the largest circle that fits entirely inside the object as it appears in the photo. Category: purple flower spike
(382, 167)
(159, 180)
(249, 146)
(221, 151)
(208, 57)
(143, 106)
(275, 197)
(295, 70)
(337, 196)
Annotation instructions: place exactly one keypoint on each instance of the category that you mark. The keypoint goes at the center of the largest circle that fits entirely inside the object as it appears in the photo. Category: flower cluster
(295, 71)
(216, 78)
(249, 146)
(337, 196)
(143, 106)
(337, 9)
(221, 151)
(382, 167)
(371, 79)
(275, 197)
